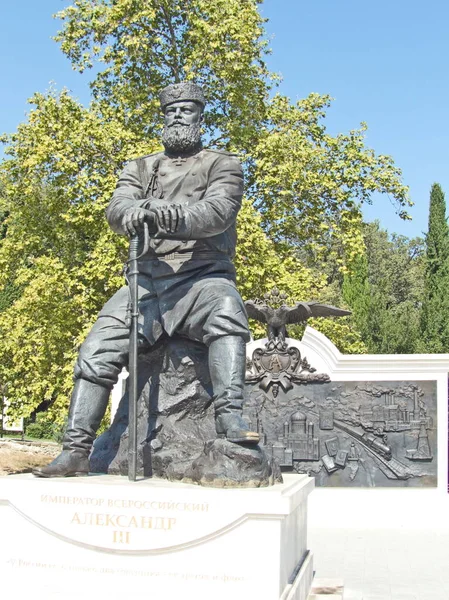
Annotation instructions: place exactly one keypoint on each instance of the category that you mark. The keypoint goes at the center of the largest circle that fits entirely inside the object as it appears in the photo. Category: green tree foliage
(384, 291)
(8, 295)
(356, 293)
(306, 183)
(139, 47)
(58, 248)
(435, 310)
(8, 292)
(309, 185)
(303, 185)
(3, 227)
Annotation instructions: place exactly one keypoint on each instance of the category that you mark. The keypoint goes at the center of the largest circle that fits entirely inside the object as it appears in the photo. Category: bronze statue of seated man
(189, 197)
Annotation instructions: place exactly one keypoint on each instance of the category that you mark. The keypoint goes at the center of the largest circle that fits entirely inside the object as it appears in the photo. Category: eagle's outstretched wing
(306, 310)
(260, 312)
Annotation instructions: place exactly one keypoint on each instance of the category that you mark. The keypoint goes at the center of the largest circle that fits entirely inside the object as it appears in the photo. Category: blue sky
(384, 62)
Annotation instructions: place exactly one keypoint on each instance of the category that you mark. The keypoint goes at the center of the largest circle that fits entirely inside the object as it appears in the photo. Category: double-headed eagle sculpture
(277, 318)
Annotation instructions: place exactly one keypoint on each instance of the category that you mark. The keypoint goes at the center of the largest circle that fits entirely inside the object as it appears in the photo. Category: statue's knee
(86, 369)
(228, 318)
(97, 368)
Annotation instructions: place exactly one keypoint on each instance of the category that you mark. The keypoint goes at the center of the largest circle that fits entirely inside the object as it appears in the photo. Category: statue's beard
(181, 139)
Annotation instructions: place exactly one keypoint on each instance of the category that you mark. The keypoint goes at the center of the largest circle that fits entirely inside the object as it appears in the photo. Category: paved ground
(384, 564)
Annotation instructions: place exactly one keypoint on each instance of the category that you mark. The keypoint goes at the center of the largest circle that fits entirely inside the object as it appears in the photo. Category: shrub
(43, 428)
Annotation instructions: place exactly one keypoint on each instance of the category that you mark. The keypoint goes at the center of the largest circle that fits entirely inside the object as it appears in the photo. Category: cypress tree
(356, 292)
(435, 308)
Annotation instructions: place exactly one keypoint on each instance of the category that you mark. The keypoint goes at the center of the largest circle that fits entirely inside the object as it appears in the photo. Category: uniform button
(162, 174)
(193, 174)
(189, 194)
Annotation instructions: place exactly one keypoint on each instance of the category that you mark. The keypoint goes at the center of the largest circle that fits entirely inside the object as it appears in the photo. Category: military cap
(184, 91)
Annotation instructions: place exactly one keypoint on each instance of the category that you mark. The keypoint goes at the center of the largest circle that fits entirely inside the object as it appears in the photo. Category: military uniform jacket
(187, 279)
(208, 185)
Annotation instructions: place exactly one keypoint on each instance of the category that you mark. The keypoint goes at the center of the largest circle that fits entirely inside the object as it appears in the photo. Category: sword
(171, 220)
(132, 320)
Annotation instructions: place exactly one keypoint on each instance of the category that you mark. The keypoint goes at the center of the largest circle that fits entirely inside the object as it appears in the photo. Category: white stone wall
(117, 392)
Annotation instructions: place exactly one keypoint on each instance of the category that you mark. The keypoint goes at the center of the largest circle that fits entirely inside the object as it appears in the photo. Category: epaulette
(225, 152)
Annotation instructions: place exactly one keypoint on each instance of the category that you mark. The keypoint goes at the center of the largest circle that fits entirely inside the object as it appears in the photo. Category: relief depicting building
(344, 433)
(357, 441)
(297, 442)
(392, 416)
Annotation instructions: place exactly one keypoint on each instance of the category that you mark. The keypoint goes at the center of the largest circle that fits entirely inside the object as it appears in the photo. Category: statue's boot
(227, 362)
(87, 407)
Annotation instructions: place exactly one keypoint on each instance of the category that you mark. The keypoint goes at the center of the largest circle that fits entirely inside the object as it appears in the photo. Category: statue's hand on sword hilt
(164, 217)
(134, 219)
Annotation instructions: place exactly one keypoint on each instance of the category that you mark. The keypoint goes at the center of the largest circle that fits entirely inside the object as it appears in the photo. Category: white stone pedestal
(104, 537)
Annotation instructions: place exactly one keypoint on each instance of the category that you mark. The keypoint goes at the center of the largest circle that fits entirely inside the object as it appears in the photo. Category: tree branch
(172, 41)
